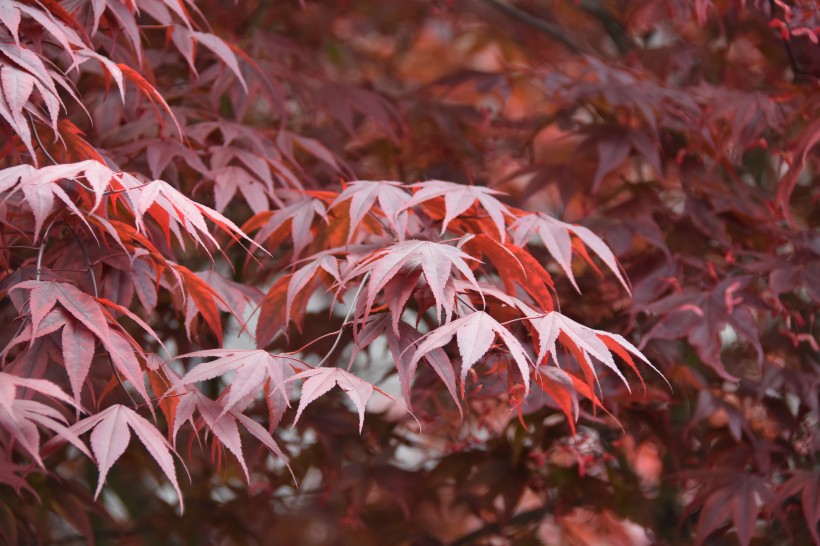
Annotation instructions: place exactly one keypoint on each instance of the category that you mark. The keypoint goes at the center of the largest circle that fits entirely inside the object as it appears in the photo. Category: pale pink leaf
(109, 440)
(17, 87)
(479, 327)
(156, 444)
(84, 308)
(221, 49)
(318, 382)
(458, 198)
(126, 363)
(10, 17)
(474, 339)
(78, 351)
(363, 195)
(223, 425)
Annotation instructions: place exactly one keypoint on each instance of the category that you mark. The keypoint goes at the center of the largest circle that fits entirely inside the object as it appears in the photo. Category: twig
(347, 318)
(494, 528)
(90, 271)
(550, 29)
(612, 27)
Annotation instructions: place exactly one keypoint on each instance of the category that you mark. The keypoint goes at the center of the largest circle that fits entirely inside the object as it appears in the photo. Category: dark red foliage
(573, 246)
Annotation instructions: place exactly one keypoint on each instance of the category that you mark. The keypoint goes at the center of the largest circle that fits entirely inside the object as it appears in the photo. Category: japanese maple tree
(215, 215)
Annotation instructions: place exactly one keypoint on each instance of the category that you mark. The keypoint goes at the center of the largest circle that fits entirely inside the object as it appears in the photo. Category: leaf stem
(346, 320)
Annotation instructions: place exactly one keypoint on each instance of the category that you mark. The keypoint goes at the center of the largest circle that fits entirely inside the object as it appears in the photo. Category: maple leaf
(173, 210)
(304, 275)
(78, 352)
(223, 51)
(51, 322)
(730, 494)
(807, 482)
(44, 295)
(223, 424)
(515, 266)
(46, 82)
(21, 417)
(300, 215)
(255, 370)
(555, 235)
(319, 381)
(475, 334)
(584, 342)
(234, 297)
(458, 198)
(437, 262)
(111, 434)
(400, 338)
(363, 194)
(558, 385)
(201, 298)
(229, 179)
(39, 188)
(700, 316)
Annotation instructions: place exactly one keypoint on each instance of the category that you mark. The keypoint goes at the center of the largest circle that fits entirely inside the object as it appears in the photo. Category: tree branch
(612, 27)
(523, 518)
(550, 29)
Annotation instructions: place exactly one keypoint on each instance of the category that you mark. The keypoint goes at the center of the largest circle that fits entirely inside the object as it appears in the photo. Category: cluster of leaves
(93, 245)
(202, 240)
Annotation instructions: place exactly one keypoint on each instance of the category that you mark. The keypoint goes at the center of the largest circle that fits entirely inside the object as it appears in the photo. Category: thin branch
(612, 27)
(88, 268)
(87, 261)
(39, 270)
(550, 29)
(347, 318)
(523, 518)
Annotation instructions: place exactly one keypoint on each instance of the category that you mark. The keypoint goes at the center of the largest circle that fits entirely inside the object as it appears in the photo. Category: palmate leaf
(78, 352)
(223, 424)
(807, 482)
(515, 266)
(700, 315)
(438, 262)
(87, 311)
(729, 495)
(39, 188)
(110, 437)
(458, 198)
(475, 334)
(254, 370)
(400, 338)
(319, 381)
(21, 417)
(583, 342)
(173, 211)
(392, 198)
(556, 236)
(300, 214)
(303, 276)
(230, 179)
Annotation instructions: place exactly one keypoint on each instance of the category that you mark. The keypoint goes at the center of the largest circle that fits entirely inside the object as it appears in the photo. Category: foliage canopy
(212, 216)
